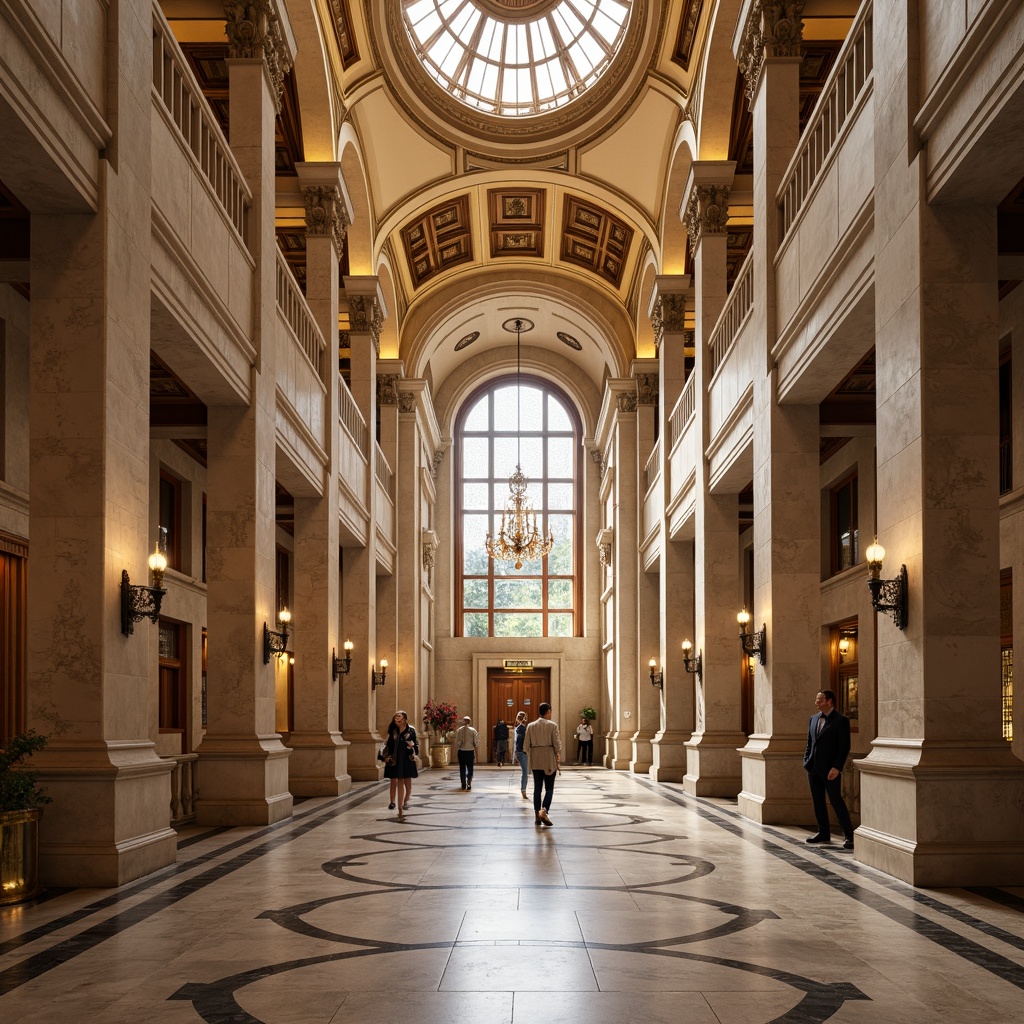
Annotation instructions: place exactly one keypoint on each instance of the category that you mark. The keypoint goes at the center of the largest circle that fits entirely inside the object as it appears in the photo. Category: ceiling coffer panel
(440, 239)
(593, 238)
(517, 221)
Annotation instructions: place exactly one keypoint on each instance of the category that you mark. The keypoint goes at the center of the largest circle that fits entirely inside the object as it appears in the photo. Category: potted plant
(589, 714)
(440, 717)
(20, 810)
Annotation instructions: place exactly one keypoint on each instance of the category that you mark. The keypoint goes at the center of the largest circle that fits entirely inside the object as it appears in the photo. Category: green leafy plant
(589, 714)
(17, 782)
(440, 716)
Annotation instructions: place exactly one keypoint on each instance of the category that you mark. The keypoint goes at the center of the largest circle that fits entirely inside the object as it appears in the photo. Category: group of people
(538, 747)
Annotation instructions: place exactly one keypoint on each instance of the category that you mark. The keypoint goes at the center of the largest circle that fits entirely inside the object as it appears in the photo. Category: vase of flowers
(440, 717)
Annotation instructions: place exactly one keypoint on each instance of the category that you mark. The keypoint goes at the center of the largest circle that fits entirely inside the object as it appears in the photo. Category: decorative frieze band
(774, 28)
(254, 30)
(365, 317)
(707, 213)
(325, 213)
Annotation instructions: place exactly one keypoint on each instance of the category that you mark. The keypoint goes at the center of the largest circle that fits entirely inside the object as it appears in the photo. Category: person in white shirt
(584, 742)
(466, 741)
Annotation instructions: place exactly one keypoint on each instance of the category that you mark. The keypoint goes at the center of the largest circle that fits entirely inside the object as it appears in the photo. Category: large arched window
(492, 597)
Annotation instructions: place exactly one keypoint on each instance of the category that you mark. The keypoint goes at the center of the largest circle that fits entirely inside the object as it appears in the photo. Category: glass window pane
(560, 559)
(474, 496)
(477, 418)
(532, 455)
(505, 409)
(506, 451)
(560, 457)
(532, 408)
(559, 594)
(518, 624)
(474, 624)
(561, 497)
(474, 557)
(558, 418)
(560, 624)
(474, 594)
(474, 456)
(517, 593)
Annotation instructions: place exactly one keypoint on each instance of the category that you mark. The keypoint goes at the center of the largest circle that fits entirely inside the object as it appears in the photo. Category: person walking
(828, 745)
(520, 735)
(584, 742)
(467, 739)
(543, 747)
(399, 749)
(501, 742)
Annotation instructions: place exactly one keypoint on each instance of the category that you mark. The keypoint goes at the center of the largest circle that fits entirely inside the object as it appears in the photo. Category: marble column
(89, 687)
(673, 295)
(243, 763)
(787, 511)
(941, 793)
(318, 765)
(366, 311)
(648, 718)
(712, 761)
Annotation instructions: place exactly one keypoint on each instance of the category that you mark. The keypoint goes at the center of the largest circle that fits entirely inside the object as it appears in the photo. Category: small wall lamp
(753, 643)
(657, 678)
(377, 678)
(888, 596)
(274, 641)
(692, 665)
(341, 666)
(138, 602)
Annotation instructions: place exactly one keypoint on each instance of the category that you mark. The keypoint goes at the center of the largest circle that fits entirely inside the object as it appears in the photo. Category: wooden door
(508, 693)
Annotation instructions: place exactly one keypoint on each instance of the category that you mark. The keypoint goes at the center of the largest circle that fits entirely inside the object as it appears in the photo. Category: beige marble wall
(14, 435)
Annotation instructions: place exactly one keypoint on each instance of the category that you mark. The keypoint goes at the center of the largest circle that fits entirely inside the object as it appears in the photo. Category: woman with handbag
(400, 755)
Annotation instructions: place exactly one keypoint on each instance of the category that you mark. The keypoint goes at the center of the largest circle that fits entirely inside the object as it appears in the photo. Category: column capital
(366, 307)
(667, 307)
(766, 28)
(328, 206)
(261, 29)
(707, 213)
(645, 373)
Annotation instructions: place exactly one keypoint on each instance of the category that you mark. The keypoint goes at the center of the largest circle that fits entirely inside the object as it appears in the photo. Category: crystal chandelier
(519, 538)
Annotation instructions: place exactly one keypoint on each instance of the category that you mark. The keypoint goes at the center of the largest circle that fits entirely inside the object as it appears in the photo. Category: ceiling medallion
(569, 340)
(466, 341)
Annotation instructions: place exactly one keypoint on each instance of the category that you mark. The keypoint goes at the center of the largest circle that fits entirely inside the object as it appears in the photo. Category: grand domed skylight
(516, 58)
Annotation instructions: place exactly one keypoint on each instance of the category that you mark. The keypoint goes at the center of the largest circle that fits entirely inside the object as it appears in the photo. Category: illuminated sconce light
(844, 646)
(657, 678)
(889, 596)
(138, 602)
(753, 644)
(341, 666)
(276, 641)
(693, 665)
(377, 678)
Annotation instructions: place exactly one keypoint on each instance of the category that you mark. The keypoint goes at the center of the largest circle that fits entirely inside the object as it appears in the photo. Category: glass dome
(516, 58)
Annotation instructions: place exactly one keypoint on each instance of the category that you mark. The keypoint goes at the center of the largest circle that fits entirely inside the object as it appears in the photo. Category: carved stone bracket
(387, 388)
(774, 28)
(325, 213)
(431, 542)
(597, 457)
(626, 401)
(707, 213)
(254, 30)
(647, 388)
(604, 547)
(438, 457)
(406, 401)
(365, 317)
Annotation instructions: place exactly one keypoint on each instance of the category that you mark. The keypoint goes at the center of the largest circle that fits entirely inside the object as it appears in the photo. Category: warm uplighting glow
(383, 664)
(687, 647)
(743, 618)
(348, 646)
(157, 564)
(875, 553)
(284, 616)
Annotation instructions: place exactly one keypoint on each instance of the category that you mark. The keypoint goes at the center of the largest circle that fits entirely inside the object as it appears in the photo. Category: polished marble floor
(640, 904)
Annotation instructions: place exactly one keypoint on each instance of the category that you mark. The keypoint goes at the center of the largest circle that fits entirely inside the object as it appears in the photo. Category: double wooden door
(509, 693)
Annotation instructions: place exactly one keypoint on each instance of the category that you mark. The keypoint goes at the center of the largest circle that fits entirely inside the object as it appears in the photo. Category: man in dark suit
(828, 744)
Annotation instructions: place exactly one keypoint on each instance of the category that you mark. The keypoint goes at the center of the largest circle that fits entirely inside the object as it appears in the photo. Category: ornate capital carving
(431, 542)
(254, 30)
(774, 28)
(438, 457)
(406, 401)
(325, 213)
(707, 213)
(387, 388)
(669, 314)
(647, 388)
(604, 547)
(626, 401)
(365, 317)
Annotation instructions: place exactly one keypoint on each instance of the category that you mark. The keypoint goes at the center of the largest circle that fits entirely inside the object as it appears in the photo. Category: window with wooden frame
(844, 670)
(843, 525)
(170, 518)
(173, 689)
(13, 635)
(492, 597)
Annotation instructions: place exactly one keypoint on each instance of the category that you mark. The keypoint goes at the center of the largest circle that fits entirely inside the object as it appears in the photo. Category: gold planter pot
(440, 755)
(19, 855)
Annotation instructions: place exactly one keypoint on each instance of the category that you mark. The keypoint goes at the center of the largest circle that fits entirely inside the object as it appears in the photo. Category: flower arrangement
(440, 717)
(589, 714)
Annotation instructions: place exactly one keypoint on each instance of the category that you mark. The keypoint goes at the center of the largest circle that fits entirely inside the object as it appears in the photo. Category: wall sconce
(692, 665)
(844, 647)
(657, 678)
(753, 643)
(341, 666)
(377, 678)
(275, 642)
(138, 602)
(887, 595)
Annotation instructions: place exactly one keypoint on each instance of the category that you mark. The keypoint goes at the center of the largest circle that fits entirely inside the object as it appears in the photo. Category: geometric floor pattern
(641, 904)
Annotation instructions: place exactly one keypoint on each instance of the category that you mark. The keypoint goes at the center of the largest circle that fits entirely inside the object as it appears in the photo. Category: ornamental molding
(431, 542)
(365, 316)
(647, 388)
(604, 547)
(406, 401)
(774, 28)
(254, 30)
(325, 213)
(438, 457)
(387, 388)
(626, 401)
(706, 213)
